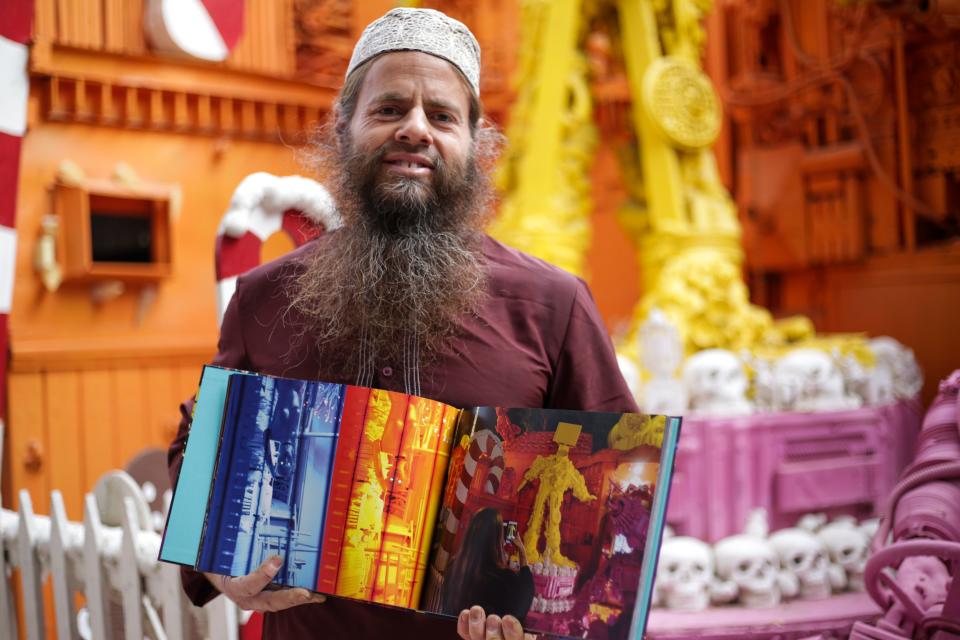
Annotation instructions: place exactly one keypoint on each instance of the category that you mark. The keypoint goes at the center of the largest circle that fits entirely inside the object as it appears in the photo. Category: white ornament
(804, 556)
(809, 380)
(763, 384)
(684, 573)
(874, 385)
(630, 374)
(907, 378)
(847, 546)
(752, 564)
(661, 352)
(716, 384)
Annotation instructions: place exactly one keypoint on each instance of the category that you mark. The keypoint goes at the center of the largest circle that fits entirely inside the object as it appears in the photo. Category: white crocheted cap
(425, 30)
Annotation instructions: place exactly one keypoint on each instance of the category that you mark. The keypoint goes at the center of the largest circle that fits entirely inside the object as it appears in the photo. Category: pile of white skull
(804, 379)
(812, 560)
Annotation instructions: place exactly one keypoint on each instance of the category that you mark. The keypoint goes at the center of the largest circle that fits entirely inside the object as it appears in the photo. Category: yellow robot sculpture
(679, 214)
(557, 475)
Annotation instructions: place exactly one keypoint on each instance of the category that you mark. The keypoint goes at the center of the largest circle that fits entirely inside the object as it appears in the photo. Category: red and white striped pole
(16, 17)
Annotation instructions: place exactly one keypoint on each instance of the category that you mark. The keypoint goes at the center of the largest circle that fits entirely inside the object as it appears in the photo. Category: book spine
(183, 455)
(658, 514)
(442, 446)
(341, 484)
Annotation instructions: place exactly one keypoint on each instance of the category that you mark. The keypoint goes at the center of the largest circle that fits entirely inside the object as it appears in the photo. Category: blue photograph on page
(278, 443)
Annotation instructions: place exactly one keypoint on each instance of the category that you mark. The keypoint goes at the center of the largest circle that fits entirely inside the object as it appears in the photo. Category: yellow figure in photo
(557, 475)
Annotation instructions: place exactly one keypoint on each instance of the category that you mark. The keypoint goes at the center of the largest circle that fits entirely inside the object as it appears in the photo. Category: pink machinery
(914, 576)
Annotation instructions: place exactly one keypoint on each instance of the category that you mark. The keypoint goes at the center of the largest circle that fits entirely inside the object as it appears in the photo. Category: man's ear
(340, 125)
(339, 121)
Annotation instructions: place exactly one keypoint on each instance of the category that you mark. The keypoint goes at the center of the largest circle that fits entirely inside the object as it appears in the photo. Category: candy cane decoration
(484, 443)
(262, 205)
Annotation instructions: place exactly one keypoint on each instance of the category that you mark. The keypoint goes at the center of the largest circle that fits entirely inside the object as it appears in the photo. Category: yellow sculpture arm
(580, 491)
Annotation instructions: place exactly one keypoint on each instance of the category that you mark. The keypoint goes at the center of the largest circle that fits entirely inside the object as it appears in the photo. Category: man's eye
(443, 117)
(388, 111)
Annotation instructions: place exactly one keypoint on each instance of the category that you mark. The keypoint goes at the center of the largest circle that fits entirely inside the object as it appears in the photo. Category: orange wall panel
(88, 422)
(915, 299)
(161, 389)
(95, 422)
(65, 433)
(26, 434)
(130, 426)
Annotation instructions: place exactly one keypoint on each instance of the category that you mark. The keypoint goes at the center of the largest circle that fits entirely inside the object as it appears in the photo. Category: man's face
(412, 114)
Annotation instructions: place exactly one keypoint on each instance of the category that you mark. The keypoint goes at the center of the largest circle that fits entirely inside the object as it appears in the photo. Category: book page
(342, 482)
(545, 517)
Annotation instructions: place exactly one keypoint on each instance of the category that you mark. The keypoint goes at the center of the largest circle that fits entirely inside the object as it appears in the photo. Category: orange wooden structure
(842, 153)
(98, 367)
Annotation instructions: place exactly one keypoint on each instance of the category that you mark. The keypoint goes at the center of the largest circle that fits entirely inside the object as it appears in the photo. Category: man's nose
(414, 129)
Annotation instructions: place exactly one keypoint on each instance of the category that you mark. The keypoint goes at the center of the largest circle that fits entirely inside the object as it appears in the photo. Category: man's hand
(248, 591)
(474, 624)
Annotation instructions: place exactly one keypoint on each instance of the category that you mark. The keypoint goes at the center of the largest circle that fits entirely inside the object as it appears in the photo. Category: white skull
(752, 564)
(684, 573)
(847, 546)
(764, 396)
(873, 385)
(716, 383)
(907, 379)
(809, 380)
(803, 555)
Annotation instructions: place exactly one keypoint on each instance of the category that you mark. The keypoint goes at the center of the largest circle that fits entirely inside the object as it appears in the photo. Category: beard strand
(406, 267)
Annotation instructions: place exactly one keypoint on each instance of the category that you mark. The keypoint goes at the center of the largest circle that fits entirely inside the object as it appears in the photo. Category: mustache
(399, 205)
(395, 146)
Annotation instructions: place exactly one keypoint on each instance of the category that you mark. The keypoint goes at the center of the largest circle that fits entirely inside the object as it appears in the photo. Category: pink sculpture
(911, 578)
(922, 599)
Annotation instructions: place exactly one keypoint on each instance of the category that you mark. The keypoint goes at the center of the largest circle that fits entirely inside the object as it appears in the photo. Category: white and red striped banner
(16, 17)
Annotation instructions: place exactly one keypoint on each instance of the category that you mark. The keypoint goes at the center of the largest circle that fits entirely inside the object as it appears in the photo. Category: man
(410, 295)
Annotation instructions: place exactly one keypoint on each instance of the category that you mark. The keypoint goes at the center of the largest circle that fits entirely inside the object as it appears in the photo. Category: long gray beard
(394, 285)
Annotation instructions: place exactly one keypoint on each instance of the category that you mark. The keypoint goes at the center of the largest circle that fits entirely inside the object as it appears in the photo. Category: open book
(552, 516)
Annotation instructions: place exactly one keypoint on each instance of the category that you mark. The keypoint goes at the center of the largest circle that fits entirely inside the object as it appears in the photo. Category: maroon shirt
(537, 342)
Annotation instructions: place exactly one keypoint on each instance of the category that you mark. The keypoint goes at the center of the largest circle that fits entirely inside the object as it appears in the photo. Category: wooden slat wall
(267, 45)
(28, 424)
(99, 447)
(64, 468)
(89, 422)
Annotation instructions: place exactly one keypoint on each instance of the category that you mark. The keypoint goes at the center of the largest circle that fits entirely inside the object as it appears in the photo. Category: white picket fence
(111, 558)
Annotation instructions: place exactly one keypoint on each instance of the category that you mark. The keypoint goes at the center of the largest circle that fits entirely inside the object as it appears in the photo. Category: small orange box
(115, 232)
